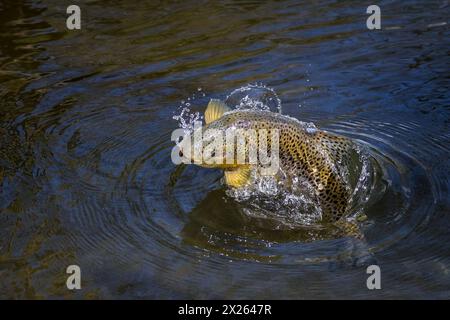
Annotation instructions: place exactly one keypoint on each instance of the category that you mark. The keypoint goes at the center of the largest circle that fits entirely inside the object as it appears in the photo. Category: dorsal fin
(238, 177)
(215, 109)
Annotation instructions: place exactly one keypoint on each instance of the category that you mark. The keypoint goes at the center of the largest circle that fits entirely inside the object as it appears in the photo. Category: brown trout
(308, 153)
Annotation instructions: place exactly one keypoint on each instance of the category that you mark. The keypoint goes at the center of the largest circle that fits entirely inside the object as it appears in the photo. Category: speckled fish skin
(313, 155)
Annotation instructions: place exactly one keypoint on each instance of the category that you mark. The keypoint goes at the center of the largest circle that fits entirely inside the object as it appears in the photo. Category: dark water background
(85, 123)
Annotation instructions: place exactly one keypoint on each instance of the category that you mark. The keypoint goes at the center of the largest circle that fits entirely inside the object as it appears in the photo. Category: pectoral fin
(237, 178)
(216, 108)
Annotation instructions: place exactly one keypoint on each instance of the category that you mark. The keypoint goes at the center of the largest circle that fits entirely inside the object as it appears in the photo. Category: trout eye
(180, 153)
(213, 154)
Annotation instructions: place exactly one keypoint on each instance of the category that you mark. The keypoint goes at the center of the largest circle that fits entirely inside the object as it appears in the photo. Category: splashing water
(268, 199)
(251, 96)
(186, 117)
(293, 203)
(254, 97)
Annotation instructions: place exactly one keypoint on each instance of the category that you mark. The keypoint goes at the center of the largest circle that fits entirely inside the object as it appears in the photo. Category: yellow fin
(237, 178)
(216, 108)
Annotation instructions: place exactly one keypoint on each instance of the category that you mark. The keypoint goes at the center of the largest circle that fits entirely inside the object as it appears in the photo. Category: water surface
(86, 176)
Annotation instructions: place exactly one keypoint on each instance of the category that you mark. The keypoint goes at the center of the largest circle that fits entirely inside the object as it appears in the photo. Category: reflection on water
(85, 171)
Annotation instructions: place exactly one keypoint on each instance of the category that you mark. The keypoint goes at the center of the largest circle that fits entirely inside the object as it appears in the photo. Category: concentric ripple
(86, 175)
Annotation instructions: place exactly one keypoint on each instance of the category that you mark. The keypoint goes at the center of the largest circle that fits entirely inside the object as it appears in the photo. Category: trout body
(304, 152)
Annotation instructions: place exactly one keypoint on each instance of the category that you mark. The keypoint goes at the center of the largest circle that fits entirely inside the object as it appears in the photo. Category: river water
(86, 176)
